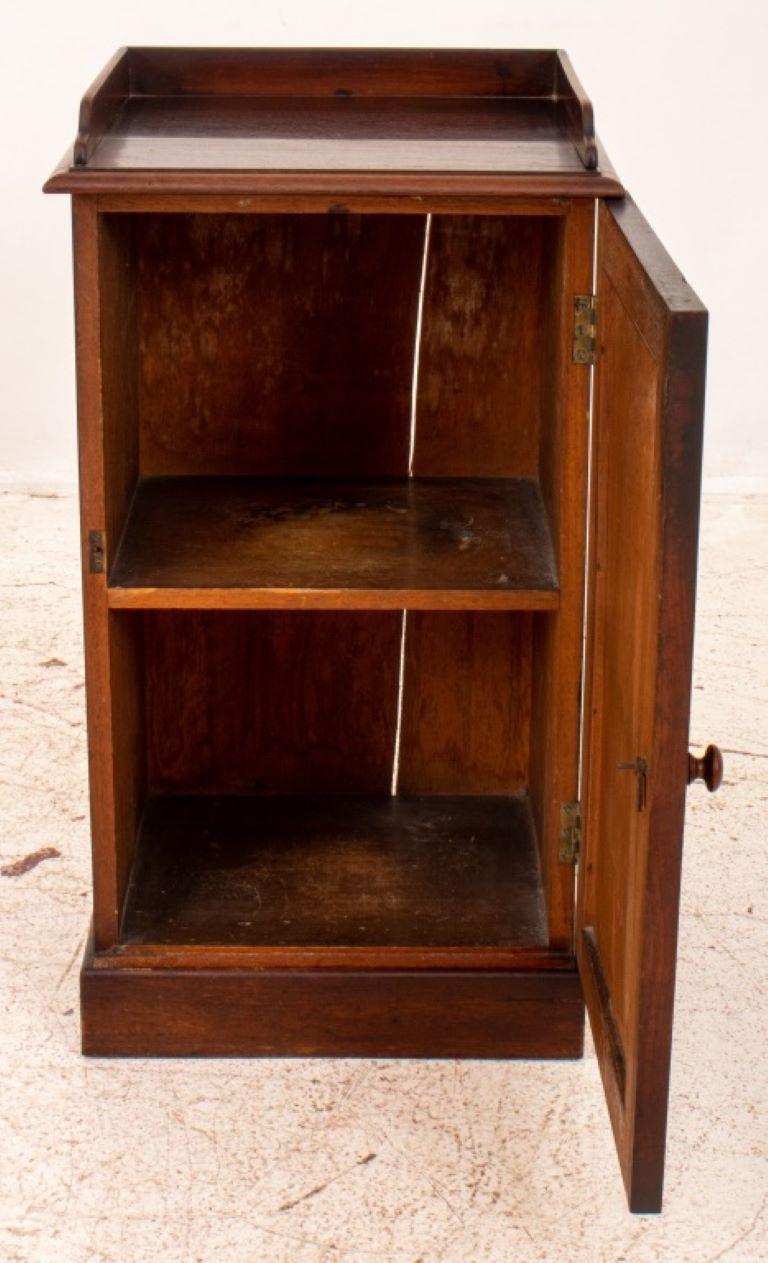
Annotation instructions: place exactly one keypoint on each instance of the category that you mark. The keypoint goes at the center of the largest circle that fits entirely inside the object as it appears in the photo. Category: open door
(646, 467)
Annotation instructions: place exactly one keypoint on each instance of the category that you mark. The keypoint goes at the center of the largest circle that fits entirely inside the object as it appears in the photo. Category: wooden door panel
(646, 464)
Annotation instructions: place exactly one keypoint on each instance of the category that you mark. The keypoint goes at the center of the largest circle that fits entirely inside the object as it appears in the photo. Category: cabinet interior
(335, 466)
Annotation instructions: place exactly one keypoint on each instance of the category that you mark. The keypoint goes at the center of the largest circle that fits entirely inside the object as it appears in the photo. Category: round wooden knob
(708, 769)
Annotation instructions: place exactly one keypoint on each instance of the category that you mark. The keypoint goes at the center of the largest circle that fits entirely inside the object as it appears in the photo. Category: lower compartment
(336, 871)
(366, 1013)
(364, 779)
(361, 887)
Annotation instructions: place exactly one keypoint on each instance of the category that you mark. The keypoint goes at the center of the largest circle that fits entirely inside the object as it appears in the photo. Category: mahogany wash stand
(347, 471)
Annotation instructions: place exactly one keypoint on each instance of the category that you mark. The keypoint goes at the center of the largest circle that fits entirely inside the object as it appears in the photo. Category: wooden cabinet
(341, 503)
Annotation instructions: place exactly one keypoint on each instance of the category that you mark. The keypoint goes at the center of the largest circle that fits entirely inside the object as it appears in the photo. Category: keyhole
(640, 769)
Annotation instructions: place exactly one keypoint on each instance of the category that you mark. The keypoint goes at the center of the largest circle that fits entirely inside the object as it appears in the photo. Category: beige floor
(175, 1162)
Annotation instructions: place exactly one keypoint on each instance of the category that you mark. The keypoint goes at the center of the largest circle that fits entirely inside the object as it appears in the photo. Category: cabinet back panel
(277, 344)
(486, 345)
(286, 344)
(466, 708)
(307, 702)
(271, 702)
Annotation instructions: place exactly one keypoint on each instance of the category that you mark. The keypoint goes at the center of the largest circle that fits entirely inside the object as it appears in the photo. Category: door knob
(708, 769)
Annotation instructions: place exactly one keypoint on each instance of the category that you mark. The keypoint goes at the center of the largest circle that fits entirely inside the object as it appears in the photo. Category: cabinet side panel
(119, 370)
(129, 759)
(466, 711)
(557, 651)
(108, 459)
(277, 344)
(274, 703)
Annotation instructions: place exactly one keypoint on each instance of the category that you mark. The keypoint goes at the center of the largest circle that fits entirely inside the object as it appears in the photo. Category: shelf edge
(221, 956)
(120, 598)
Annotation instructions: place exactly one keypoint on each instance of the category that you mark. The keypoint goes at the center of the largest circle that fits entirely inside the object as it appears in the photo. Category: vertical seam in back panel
(411, 450)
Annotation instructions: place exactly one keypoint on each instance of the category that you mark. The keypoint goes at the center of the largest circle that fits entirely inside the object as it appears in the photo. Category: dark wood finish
(261, 337)
(297, 203)
(340, 185)
(369, 1013)
(557, 644)
(108, 463)
(646, 468)
(708, 768)
(250, 956)
(129, 735)
(576, 109)
(271, 703)
(361, 110)
(344, 72)
(489, 135)
(101, 105)
(483, 360)
(383, 543)
(334, 466)
(466, 710)
(336, 871)
(119, 373)
(498, 392)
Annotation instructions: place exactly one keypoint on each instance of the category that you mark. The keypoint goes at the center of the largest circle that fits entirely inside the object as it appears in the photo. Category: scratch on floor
(361, 1162)
(28, 862)
(74, 957)
(743, 1235)
(747, 754)
(42, 710)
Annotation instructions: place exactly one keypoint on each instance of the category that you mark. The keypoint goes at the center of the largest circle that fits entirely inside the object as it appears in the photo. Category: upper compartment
(400, 121)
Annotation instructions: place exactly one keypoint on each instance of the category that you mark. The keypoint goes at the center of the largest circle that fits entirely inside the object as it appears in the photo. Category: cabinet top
(378, 121)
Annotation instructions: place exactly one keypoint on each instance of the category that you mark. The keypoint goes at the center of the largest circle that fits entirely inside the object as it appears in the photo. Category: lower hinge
(570, 833)
(585, 329)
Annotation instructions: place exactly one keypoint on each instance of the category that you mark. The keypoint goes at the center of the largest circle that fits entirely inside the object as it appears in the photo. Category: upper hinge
(585, 329)
(97, 552)
(570, 833)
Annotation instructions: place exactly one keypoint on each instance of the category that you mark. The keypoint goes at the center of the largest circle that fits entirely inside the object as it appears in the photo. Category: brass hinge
(97, 552)
(585, 329)
(570, 833)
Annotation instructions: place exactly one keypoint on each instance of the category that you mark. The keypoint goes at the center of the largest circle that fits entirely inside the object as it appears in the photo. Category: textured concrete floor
(323, 1161)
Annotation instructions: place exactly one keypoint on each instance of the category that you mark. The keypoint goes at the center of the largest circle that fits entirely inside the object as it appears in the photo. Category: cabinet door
(645, 486)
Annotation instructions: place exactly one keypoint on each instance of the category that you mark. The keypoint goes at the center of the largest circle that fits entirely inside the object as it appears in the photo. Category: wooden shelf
(336, 872)
(253, 543)
(340, 134)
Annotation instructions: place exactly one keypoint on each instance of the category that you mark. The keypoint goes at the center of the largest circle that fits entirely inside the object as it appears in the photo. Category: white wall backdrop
(678, 88)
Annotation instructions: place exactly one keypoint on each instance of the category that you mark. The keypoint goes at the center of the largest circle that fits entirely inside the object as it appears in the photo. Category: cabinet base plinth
(330, 1013)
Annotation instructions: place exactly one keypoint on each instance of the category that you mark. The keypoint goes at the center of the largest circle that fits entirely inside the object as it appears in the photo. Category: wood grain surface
(270, 703)
(647, 463)
(375, 542)
(486, 346)
(171, 113)
(336, 871)
(466, 711)
(363, 1013)
(277, 344)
